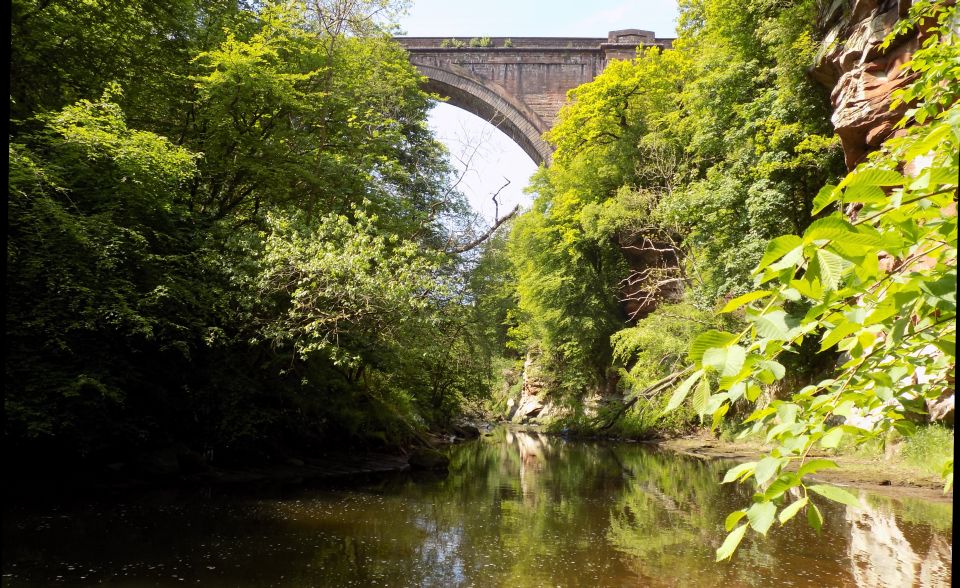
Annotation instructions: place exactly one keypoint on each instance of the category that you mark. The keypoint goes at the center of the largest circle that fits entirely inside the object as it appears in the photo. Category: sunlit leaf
(733, 518)
(776, 249)
(791, 510)
(832, 439)
(766, 469)
(744, 299)
(814, 518)
(707, 340)
(730, 544)
(836, 494)
(680, 394)
(737, 472)
(815, 465)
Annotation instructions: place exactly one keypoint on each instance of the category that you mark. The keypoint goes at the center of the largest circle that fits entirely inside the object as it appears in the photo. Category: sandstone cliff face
(533, 404)
(861, 76)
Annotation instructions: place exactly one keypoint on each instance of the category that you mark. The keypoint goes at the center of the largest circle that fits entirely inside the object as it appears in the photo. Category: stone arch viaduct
(519, 84)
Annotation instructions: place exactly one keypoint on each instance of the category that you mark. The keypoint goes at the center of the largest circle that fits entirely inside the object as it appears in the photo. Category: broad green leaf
(843, 409)
(760, 413)
(733, 518)
(865, 194)
(815, 465)
(766, 469)
(737, 391)
(867, 176)
(774, 325)
(718, 415)
(831, 268)
(730, 544)
(744, 299)
(791, 294)
(791, 510)
(832, 439)
(809, 286)
(778, 430)
(787, 412)
(814, 518)
(776, 249)
(797, 444)
(882, 312)
(743, 471)
(948, 345)
(753, 391)
(761, 516)
(707, 340)
(700, 396)
(836, 494)
(833, 336)
(682, 390)
(770, 371)
(826, 196)
(726, 360)
(790, 260)
(781, 485)
(936, 135)
(836, 229)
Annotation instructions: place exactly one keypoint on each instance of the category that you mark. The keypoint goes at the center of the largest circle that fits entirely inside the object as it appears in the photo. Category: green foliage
(241, 245)
(101, 272)
(757, 134)
(657, 345)
(708, 150)
(346, 287)
(481, 42)
(930, 448)
(896, 324)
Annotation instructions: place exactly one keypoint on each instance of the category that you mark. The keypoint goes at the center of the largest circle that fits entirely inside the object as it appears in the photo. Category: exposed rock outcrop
(533, 403)
(861, 75)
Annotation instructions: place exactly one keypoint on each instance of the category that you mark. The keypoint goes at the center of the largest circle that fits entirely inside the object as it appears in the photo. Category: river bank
(173, 467)
(890, 477)
(877, 475)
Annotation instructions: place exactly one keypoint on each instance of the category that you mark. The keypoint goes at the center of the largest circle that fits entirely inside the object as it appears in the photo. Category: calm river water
(516, 509)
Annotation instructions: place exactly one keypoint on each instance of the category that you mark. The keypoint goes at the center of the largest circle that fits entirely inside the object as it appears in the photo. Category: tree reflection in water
(516, 509)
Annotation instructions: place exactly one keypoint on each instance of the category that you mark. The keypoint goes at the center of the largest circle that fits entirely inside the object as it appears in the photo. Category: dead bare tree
(655, 258)
(472, 147)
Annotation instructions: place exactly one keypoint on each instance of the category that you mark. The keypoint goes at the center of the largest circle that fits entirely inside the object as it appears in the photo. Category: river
(516, 509)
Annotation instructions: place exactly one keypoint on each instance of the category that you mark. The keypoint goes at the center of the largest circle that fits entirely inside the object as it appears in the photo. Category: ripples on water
(517, 509)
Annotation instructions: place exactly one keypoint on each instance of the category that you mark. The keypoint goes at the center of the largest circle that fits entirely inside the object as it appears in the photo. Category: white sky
(498, 158)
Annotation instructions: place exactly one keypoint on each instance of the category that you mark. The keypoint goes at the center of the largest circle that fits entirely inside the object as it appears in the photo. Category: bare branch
(489, 232)
(496, 205)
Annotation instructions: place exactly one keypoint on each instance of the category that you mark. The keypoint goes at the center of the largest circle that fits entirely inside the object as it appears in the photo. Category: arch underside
(516, 120)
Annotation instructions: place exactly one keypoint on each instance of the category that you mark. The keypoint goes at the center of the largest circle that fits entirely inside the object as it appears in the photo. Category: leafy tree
(102, 274)
(671, 172)
(243, 250)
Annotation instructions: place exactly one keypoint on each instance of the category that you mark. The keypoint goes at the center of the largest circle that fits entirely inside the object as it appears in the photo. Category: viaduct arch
(519, 84)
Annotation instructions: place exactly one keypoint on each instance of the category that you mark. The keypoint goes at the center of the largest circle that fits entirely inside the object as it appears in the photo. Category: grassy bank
(897, 463)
